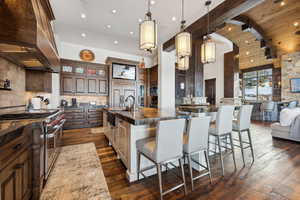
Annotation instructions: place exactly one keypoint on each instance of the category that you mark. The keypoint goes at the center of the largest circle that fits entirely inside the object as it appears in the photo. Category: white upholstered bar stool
(166, 147)
(196, 142)
(222, 130)
(242, 124)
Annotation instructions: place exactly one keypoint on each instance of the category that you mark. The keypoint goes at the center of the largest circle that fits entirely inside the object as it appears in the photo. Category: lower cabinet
(83, 118)
(16, 178)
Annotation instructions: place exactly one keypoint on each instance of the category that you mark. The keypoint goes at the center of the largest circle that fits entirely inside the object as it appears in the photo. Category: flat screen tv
(123, 71)
(295, 85)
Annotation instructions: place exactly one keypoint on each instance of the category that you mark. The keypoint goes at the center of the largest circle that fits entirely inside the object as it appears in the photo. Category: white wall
(216, 70)
(166, 79)
(71, 51)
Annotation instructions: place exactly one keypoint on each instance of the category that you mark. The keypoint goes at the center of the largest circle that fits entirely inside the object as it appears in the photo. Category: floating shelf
(5, 89)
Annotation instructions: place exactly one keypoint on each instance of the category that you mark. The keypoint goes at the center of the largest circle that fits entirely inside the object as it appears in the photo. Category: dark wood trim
(268, 66)
(219, 15)
(8, 107)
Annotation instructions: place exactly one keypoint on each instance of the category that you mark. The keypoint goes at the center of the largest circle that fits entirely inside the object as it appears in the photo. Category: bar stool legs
(207, 167)
(218, 144)
(250, 142)
(242, 144)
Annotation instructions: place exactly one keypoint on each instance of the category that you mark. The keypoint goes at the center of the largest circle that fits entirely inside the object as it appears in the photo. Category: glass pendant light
(208, 48)
(148, 32)
(183, 39)
(183, 63)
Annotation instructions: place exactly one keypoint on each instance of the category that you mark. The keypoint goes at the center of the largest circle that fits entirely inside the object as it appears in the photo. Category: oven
(53, 130)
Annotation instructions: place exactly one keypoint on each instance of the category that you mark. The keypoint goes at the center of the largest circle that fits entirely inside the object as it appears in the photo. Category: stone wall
(290, 69)
(16, 75)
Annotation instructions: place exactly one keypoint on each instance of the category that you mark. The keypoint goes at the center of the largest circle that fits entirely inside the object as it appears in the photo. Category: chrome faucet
(132, 106)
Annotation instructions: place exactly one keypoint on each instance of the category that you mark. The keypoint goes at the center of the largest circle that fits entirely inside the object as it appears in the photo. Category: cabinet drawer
(94, 110)
(74, 110)
(10, 150)
(75, 116)
(94, 115)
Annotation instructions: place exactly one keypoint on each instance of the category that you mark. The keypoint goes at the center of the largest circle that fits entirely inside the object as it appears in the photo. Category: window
(257, 85)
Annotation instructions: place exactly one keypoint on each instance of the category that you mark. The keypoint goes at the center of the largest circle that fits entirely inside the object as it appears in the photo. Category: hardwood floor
(274, 175)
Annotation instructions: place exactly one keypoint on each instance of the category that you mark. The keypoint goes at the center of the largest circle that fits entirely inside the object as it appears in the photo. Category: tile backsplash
(16, 75)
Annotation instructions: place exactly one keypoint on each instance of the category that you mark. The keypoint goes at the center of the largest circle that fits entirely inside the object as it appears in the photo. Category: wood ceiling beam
(219, 15)
(249, 25)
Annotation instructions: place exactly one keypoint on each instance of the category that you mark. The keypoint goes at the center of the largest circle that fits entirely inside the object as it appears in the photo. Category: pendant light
(183, 63)
(148, 32)
(208, 48)
(183, 39)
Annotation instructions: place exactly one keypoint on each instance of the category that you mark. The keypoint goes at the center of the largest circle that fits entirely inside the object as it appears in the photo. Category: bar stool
(195, 142)
(241, 125)
(223, 130)
(165, 148)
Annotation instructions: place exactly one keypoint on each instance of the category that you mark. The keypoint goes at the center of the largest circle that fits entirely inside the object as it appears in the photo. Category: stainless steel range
(53, 126)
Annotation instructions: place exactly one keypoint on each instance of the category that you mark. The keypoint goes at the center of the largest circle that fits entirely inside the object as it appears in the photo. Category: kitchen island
(124, 128)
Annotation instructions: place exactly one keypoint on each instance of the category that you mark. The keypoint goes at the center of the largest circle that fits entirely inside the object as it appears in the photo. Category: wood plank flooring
(274, 175)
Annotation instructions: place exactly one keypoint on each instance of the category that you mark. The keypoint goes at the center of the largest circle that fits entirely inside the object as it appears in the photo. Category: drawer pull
(17, 147)
(18, 166)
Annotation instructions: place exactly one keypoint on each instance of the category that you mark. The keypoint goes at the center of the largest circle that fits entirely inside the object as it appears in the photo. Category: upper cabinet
(26, 36)
(83, 78)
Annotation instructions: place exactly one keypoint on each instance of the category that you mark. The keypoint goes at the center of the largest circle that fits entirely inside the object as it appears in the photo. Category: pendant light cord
(182, 16)
(207, 4)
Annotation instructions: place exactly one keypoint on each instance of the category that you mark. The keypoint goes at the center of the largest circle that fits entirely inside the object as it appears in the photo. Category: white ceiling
(69, 25)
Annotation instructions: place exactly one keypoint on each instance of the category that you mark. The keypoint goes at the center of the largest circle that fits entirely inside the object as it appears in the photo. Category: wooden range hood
(26, 35)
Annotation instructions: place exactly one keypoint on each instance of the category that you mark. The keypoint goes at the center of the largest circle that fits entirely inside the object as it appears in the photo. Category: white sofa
(288, 128)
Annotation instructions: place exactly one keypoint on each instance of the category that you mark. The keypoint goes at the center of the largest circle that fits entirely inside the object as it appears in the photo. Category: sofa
(289, 126)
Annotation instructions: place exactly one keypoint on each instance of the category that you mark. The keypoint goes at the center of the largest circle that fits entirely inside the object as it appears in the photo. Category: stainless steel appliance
(53, 126)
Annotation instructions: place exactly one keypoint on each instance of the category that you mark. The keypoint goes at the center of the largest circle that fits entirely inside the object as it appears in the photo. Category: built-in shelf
(5, 89)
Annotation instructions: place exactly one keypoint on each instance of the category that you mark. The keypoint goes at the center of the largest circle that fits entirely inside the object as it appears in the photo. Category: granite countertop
(146, 115)
(77, 175)
(12, 122)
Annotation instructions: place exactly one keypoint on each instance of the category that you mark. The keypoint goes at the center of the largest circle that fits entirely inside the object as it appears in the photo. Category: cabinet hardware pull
(18, 166)
(17, 147)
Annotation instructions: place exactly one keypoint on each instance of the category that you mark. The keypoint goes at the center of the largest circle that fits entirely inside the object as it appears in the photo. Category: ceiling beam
(219, 16)
(250, 26)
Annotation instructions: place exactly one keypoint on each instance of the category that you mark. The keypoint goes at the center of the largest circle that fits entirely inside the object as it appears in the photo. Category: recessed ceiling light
(282, 3)
(152, 2)
(252, 60)
(114, 11)
(83, 35)
(116, 42)
(296, 24)
(140, 20)
(131, 33)
(174, 18)
(229, 29)
(247, 42)
(247, 52)
(108, 26)
(83, 16)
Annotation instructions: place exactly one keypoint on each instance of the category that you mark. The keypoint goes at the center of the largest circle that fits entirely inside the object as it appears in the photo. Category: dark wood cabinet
(16, 169)
(82, 78)
(84, 117)
(38, 81)
(80, 83)
(67, 86)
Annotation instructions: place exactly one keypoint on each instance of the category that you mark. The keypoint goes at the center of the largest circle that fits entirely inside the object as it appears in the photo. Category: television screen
(122, 71)
(295, 85)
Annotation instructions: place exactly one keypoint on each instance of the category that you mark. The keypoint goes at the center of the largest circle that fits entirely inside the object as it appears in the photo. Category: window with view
(257, 85)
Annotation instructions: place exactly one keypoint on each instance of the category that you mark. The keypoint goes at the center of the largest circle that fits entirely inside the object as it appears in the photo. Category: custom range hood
(26, 35)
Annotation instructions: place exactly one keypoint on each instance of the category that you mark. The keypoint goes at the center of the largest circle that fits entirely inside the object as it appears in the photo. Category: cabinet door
(103, 86)
(67, 84)
(92, 86)
(116, 97)
(16, 178)
(80, 84)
